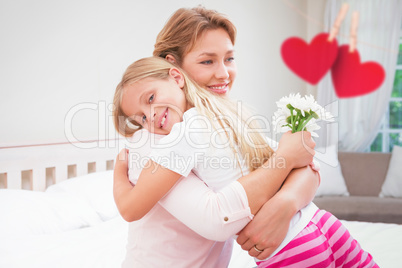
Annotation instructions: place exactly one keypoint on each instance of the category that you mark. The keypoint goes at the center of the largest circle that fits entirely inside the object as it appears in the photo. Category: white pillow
(332, 181)
(392, 186)
(25, 212)
(94, 188)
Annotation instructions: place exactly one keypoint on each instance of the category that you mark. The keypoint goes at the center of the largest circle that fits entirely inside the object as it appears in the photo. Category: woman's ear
(177, 76)
(170, 59)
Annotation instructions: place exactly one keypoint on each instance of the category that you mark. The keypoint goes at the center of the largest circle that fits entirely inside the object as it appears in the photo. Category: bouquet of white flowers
(298, 113)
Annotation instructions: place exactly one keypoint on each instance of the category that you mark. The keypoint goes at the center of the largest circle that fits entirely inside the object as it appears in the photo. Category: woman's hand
(268, 228)
(270, 225)
(297, 148)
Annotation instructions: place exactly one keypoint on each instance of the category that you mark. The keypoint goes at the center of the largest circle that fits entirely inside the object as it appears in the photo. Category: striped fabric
(324, 242)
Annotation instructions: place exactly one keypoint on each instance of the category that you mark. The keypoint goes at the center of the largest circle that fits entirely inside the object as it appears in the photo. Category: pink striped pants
(324, 242)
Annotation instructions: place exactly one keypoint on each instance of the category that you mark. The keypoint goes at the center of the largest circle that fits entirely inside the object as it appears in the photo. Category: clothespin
(341, 16)
(353, 32)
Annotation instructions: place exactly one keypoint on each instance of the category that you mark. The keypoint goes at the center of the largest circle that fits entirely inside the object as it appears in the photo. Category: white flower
(298, 113)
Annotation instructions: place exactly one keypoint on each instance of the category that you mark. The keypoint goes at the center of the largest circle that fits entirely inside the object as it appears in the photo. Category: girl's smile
(164, 118)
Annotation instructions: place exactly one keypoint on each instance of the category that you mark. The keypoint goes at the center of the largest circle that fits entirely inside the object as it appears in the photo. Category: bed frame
(36, 167)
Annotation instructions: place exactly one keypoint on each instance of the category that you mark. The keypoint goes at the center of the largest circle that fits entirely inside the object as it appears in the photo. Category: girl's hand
(297, 148)
(121, 164)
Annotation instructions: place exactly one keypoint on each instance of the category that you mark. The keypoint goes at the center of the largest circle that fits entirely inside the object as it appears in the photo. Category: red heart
(310, 62)
(352, 78)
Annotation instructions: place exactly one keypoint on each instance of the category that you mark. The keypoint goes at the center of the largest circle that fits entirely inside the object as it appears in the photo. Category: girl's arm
(154, 182)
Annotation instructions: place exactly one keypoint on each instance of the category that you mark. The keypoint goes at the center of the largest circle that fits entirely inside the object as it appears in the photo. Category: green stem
(300, 125)
(305, 122)
(298, 118)
(292, 119)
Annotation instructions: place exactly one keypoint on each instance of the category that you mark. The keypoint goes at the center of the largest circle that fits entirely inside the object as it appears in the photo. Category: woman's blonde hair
(223, 114)
(185, 26)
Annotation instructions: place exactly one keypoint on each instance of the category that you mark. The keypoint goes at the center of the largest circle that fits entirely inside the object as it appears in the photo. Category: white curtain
(359, 118)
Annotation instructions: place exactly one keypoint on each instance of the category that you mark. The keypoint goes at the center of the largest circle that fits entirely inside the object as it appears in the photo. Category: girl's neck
(189, 106)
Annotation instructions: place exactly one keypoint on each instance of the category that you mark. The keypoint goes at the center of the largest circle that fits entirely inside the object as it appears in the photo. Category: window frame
(385, 130)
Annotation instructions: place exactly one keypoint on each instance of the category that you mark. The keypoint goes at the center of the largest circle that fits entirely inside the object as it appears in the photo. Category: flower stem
(292, 120)
(298, 119)
(300, 125)
(305, 121)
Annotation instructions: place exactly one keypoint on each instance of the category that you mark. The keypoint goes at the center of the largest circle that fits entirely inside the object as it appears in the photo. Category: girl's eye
(151, 98)
(144, 118)
(206, 62)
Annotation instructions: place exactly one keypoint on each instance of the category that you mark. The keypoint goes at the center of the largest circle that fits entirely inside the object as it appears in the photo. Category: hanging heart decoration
(310, 61)
(351, 78)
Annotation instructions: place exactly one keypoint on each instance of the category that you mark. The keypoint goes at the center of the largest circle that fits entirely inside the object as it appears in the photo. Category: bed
(57, 210)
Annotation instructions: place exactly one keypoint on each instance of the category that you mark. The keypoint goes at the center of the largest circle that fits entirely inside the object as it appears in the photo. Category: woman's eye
(206, 62)
(151, 98)
(230, 59)
(144, 118)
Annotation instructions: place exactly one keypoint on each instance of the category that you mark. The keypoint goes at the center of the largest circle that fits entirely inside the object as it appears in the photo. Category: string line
(315, 21)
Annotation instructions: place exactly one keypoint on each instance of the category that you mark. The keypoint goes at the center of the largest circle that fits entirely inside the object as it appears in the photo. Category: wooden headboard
(37, 167)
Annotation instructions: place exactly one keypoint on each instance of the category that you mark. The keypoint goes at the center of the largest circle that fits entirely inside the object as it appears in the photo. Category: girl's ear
(177, 76)
(170, 59)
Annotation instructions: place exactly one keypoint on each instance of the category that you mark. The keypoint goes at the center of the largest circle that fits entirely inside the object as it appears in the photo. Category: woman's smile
(219, 88)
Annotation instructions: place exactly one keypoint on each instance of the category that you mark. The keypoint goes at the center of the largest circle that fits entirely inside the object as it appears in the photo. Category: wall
(61, 60)
(315, 24)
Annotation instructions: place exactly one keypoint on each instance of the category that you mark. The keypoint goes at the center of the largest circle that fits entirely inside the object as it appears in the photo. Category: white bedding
(34, 232)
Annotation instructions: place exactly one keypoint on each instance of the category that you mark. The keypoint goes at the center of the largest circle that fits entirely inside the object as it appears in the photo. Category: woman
(207, 56)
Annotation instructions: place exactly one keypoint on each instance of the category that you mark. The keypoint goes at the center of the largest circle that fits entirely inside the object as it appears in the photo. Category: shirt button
(226, 219)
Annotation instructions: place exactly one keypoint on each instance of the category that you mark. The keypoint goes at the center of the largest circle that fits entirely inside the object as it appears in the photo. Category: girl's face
(154, 103)
(211, 62)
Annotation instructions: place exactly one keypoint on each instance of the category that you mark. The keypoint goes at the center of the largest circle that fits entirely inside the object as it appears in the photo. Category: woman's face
(211, 62)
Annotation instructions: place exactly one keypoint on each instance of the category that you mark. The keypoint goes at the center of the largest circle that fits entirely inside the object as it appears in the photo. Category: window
(390, 133)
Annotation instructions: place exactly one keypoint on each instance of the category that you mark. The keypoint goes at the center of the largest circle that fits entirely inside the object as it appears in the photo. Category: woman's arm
(270, 225)
(194, 204)
(226, 211)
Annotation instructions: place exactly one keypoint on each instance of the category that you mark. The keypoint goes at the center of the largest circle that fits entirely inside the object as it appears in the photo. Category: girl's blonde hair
(223, 114)
(184, 27)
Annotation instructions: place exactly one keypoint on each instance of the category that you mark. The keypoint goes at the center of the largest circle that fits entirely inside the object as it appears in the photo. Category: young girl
(203, 129)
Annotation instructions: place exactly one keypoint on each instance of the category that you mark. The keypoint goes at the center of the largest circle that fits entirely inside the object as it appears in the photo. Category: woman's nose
(222, 71)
